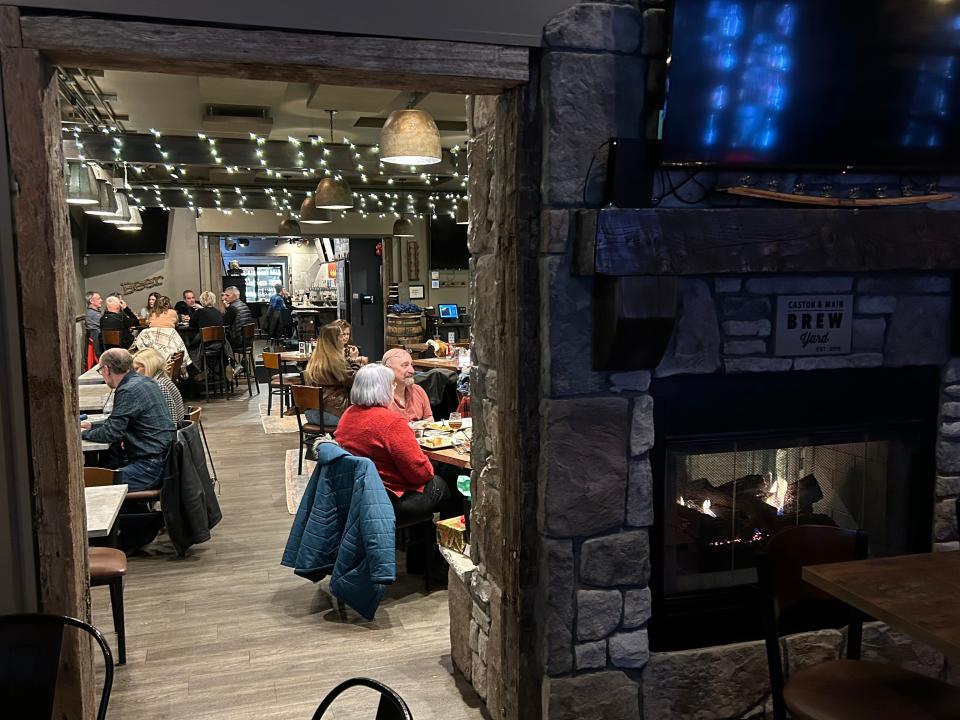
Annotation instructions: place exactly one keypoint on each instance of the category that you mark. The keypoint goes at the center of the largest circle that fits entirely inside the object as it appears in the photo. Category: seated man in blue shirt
(139, 428)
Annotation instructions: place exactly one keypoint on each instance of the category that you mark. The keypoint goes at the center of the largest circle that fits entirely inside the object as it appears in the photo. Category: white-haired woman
(150, 363)
(368, 428)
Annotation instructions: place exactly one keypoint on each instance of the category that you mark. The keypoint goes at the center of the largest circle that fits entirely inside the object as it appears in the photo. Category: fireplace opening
(739, 458)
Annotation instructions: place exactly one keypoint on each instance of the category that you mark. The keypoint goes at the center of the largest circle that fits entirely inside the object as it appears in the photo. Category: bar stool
(213, 358)
(281, 382)
(246, 352)
(108, 565)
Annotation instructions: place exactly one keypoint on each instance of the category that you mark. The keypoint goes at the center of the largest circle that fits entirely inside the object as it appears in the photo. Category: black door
(366, 298)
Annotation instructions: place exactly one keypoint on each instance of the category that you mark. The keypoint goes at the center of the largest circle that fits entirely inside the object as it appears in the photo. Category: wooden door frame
(41, 41)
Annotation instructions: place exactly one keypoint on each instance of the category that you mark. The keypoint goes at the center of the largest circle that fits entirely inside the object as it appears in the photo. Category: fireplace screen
(723, 502)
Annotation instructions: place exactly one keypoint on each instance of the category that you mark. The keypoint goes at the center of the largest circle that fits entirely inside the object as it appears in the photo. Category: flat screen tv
(448, 244)
(872, 84)
(104, 238)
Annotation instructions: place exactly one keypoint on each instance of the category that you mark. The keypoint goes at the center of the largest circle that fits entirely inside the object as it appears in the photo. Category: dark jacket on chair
(345, 527)
(187, 497)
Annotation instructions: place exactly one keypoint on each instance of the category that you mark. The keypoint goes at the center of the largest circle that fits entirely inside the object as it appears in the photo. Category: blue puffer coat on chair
(345, 528)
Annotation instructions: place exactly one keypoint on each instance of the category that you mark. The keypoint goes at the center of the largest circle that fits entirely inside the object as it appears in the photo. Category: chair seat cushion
(107, 563)
(862, 690)
(313, 429)
(288, 379)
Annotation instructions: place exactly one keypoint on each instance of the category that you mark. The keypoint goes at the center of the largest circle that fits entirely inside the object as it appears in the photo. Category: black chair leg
(116, 605)
(300, 452)
(269, 398)
(206, 447)
(428, 543)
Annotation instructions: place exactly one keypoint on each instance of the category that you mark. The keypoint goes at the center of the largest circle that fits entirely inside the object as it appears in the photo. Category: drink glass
(455, 421)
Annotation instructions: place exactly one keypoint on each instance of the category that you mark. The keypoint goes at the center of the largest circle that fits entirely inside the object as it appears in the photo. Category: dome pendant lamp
(122, 215)
(403, 228)
(81, 184)
(410, 137)
(135, 224)
(311, 215)
(333, 193)
(289, 228)
(108, 200)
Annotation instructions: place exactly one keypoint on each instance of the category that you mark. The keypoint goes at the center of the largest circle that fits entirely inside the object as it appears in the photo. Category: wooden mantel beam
(423, 65)
(653, 241)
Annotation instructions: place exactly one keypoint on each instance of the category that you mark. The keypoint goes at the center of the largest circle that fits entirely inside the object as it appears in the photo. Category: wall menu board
(813, 325)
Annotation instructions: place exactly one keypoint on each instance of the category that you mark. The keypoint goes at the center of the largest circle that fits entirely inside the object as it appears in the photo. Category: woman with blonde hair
(150, 363)
(328, 369)
(162, 315)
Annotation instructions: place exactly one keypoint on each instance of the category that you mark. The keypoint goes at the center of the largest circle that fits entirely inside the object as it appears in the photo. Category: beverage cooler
(261, 279)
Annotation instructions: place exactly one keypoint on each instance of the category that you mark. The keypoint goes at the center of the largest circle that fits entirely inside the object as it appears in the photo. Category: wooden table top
(103, 506)
(295, 356)
(449, 457)
(92, 397)
(916, 594)
(431, 363)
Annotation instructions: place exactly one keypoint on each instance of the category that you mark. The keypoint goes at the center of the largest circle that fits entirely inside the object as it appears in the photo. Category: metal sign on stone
(813, 325)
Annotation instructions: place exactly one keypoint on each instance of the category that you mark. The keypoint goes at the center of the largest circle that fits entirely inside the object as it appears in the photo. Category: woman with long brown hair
(350, 352)
(162, 315)
(328, 368)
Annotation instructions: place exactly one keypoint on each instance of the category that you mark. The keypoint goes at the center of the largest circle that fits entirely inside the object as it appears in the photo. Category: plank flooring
(228, 633)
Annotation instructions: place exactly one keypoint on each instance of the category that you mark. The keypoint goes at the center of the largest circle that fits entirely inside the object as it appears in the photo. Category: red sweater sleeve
(407, 454)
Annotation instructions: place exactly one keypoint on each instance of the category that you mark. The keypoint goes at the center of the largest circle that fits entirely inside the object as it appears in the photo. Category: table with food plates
(103, 505)
(444, 444)
(916, 594)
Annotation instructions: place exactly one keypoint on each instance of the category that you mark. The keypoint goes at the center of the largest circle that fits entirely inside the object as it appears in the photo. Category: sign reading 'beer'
(814, 325)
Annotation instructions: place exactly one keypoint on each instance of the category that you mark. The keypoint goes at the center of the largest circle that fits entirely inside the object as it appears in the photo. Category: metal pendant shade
(403, 228)
(108, 200)
(122, 216)
(463, 213)
(310, 214)
(289, 228)
(134, 224)
(333, 194)
(410, 137)
(81, 184)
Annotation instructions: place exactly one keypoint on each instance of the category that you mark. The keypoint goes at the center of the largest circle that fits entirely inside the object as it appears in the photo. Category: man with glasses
(139, 429)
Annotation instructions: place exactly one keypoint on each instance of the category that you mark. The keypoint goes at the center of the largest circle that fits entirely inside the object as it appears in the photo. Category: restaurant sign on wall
(813, 325)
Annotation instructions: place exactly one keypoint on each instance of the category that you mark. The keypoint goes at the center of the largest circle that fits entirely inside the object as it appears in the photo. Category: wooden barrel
(404, 330)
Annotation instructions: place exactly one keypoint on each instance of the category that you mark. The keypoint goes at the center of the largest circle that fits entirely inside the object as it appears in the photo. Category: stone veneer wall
(595, 485)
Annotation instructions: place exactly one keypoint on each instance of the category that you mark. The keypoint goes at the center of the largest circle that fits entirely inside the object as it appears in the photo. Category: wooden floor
(228, 633)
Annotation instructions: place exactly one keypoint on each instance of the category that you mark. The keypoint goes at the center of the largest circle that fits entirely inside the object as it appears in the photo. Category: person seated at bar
(139, 429)
(236, 315)
(187, 307)
(370, 429)
(409, 400)
(92, 319)
(151, 303)
(207, 314)
(119, 317)
(350, 352)
(162, 314)
(328, 368)
(151, 364)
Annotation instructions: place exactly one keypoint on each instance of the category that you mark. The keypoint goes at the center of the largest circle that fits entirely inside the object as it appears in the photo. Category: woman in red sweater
(369, 429)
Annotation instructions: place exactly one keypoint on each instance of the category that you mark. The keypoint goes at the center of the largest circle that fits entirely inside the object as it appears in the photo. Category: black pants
(437, 496)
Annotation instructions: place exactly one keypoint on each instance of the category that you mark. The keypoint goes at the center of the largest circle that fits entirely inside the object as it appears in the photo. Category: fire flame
(776, 493)
(705, 508)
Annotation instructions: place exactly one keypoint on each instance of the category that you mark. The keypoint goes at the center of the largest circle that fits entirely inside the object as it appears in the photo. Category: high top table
(916, 594)
(103, 505)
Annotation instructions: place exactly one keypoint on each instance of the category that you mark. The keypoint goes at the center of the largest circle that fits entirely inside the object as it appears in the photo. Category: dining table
(92, 397)
(915, 594)
(295, 356)
(103, 505)
(434, 363)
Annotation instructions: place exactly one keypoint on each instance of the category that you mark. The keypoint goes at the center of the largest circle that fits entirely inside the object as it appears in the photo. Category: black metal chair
(390, 707)
(30, 647)
(193, 413)
(845, 689)
(308, 397)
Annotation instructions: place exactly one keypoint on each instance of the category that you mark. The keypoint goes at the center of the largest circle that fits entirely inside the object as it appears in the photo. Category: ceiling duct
(241, 119)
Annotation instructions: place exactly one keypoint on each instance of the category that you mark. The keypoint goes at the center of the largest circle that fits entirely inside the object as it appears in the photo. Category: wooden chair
(30, 656)
(173, 366)
(211, 347)
(281, 382)
(193, 415)
(308, 397)
(845, 689)
(246, 354)
(108, 565)
(110, 339)
(390, 706)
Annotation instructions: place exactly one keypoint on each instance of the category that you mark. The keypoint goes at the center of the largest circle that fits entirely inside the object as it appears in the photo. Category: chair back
(110, 338)
(790, 604)
(307, 397)
(248, 331)
(271, 361)
(30, 659)
(390, 707)
(212, 333)
(98, 476)
(193, 413)
(174, 363)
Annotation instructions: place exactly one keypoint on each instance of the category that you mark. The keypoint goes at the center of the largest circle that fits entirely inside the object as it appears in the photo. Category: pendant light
(403, 228)
(289, 228)
(81, 184)
(410, 137)
(310, 214)
(333, 193)
(122, 216)
(463, 213)
(134, 224)
(108, 200)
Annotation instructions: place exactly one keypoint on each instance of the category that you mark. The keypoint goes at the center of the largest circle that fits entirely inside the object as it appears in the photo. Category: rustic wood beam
(423, 65)
(44, 267)
(653, 241)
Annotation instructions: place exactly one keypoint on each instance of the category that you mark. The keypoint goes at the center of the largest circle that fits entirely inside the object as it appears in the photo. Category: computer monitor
(449, 311)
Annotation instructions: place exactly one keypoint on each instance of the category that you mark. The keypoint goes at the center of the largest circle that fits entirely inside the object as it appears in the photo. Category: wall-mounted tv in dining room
(863, 84)
(105, 239)
(448, 244)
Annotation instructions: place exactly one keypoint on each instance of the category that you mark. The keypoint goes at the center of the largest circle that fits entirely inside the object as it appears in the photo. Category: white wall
(180, 266)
